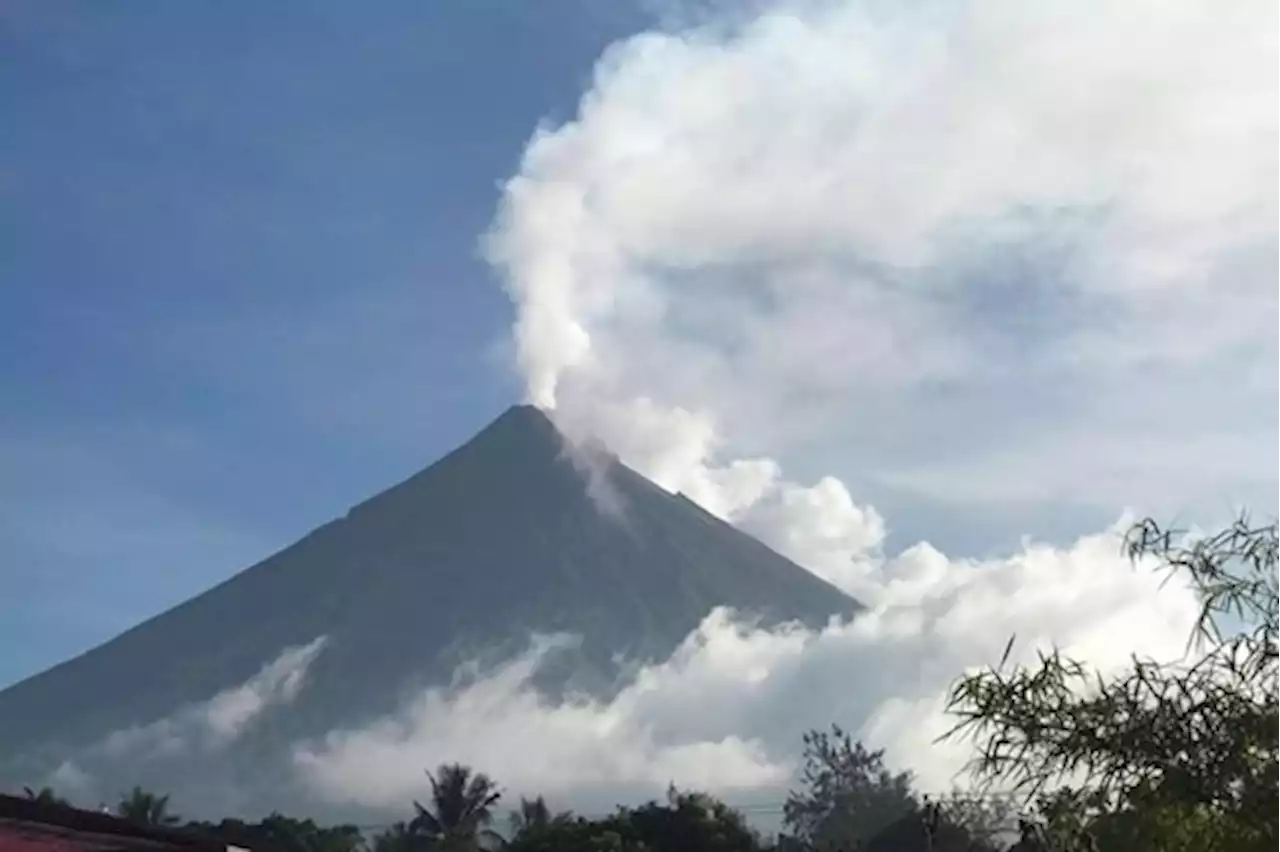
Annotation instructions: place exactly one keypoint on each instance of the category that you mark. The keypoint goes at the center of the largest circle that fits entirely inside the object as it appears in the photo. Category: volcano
(501, 539)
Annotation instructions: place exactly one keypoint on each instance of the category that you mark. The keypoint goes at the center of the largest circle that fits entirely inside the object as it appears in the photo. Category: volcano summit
(462, 563)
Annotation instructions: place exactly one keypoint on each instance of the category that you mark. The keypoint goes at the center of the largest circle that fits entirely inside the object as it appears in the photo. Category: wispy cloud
(189, 753)
(216, 723)
(725, 713)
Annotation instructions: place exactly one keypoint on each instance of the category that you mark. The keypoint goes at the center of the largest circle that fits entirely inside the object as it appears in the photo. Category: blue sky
(990, 271)
(240, 288)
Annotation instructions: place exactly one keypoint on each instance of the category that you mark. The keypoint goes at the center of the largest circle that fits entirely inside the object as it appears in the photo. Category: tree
(848, 797)
(965, 821)
(534, 814)
(687, 821)
(44, 796)
(576, 834)
(283, 833)
(952, 824)
(1169, 755)
(145, 808)
(397, 838)
(461, 810)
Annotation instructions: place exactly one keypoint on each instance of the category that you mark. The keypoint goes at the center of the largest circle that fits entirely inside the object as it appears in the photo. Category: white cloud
(70, 780)
(725, 713)
(823, 529)
(216, 723)
(500, 724)
(932, 234)
(990, 251)
(228, 713)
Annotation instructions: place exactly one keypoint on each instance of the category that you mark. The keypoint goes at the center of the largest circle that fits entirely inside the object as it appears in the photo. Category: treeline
(1167, 757)
(848, 801)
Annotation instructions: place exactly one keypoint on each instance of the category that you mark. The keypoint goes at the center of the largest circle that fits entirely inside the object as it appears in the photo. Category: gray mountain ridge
(463, 561)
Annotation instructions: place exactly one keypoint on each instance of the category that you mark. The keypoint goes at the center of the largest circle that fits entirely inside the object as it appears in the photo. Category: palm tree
(145, 808)
(535, 814)
(44, 796)
(461, 810)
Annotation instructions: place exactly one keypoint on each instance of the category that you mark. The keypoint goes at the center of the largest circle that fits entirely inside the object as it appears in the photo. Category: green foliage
(1170, 755)
(575, 835)
(535, 814)
(278, 832)
(44, 795)
(397, 838)
(689, 821)
(848, 795)
(686, 821)
(145, 808)
(462, 801)
(851, 801)
(964, 822)
(460, 812)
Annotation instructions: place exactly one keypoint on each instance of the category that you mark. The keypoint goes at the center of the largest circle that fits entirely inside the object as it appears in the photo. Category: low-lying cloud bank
(216, 723)
(199, 731)
(726, 712)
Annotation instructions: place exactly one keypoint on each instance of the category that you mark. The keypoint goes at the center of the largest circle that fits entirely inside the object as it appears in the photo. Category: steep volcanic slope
(496, 540)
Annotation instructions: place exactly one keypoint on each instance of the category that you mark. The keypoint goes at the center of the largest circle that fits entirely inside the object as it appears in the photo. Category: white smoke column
(991, 253)
(755, 231)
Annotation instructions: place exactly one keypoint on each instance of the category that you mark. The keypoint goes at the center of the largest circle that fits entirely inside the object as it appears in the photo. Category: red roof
(34, 837)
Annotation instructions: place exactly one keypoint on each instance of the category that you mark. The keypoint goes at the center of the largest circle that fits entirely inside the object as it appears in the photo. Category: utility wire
(774, 807)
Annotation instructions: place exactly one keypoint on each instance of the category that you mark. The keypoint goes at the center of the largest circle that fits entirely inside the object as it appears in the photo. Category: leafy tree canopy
(1169, 755)
(146, 808)
(460, 812)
